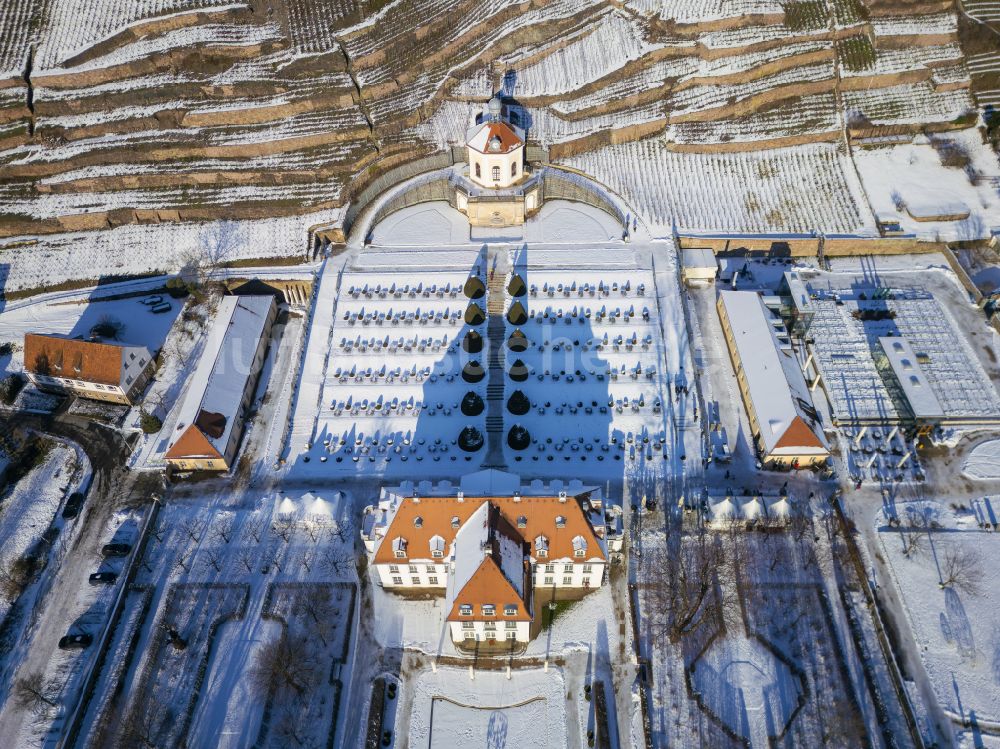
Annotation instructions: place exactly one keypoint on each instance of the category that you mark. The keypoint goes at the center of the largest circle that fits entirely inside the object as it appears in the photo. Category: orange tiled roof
(798, 434)
(496, 129)
(73, 358)
(436, 514)
(489, 585)
(192, 444)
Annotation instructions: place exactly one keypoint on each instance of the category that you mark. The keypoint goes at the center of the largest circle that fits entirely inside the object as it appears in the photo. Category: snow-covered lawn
(910, 179)
(955, 626)
(983, 461)
(450, 709)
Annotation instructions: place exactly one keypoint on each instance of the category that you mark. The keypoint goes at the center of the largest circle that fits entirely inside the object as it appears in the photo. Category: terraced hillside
(137, 112)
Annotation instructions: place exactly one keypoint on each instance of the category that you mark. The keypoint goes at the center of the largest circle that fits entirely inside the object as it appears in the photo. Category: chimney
(562, 496)
(416, 498)
(460, 496)
(517, 496)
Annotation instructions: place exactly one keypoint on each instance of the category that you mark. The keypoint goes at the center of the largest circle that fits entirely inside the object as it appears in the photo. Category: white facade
(485, 630)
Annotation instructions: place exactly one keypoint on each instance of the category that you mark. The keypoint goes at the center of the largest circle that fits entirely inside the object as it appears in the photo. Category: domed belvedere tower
(496, 190)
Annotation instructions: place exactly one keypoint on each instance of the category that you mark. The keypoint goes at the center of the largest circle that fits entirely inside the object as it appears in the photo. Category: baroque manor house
(490, 554)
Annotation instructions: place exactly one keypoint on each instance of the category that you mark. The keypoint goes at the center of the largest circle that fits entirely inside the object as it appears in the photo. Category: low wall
(798, 246)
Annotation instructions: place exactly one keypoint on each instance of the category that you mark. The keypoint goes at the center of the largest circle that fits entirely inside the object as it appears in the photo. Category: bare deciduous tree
(247, 558)
(318, 611)
(679, 581)
(212, 558)
(343, 531)
(253, 528)
(337, 562)
(223, 528)
(140, 728)
(192, 528)
(32, 692)
(283, 527)
(912, 532)
(961, 569)
(289, 731)
(184, 563)
(285, 662)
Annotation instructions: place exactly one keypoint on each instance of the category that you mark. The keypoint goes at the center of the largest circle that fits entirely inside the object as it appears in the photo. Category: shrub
(108, 327)
(6, 348)
(10, 386)
(150, 423)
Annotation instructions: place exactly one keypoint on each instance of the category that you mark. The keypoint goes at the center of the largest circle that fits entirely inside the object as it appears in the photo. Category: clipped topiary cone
(518, 341)
(472, 404)
(518, 371)
(473, 372)
(518, 438)
(471, 439)
(517, 315)
(472, 343)
(474, 288)
(474, 315)
(518, 403)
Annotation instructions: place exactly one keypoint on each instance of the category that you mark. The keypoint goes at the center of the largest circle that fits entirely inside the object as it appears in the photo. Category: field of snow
(451, 710)
(693, 11)
(912, 175)
(806, 189)
(983, 461)
(954, 625)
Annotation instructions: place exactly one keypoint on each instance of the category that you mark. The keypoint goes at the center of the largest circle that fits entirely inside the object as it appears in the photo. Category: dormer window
(522, 521)
(399, 547)
(437, 547)
(495, 143)
(489, 609)
(541, 546)
(579, 546)
(455, 522)
(560, 521)
(510, 609)
(418, 522)
(465, 609)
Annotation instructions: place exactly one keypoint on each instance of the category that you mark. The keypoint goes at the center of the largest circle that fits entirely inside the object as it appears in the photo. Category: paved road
(36, 646)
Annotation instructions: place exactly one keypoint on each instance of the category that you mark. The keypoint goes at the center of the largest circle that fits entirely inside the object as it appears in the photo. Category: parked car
(151, 300)
(73, 505)
(79, 640)
(103, 578)
(116, 549)
(159, 309)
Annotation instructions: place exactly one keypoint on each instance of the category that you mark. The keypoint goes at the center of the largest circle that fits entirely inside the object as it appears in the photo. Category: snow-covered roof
(494, 136)
(698, 257)
(212, 404)
(797, 290)
(919, 395)
(467, 552)
(777, 388)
